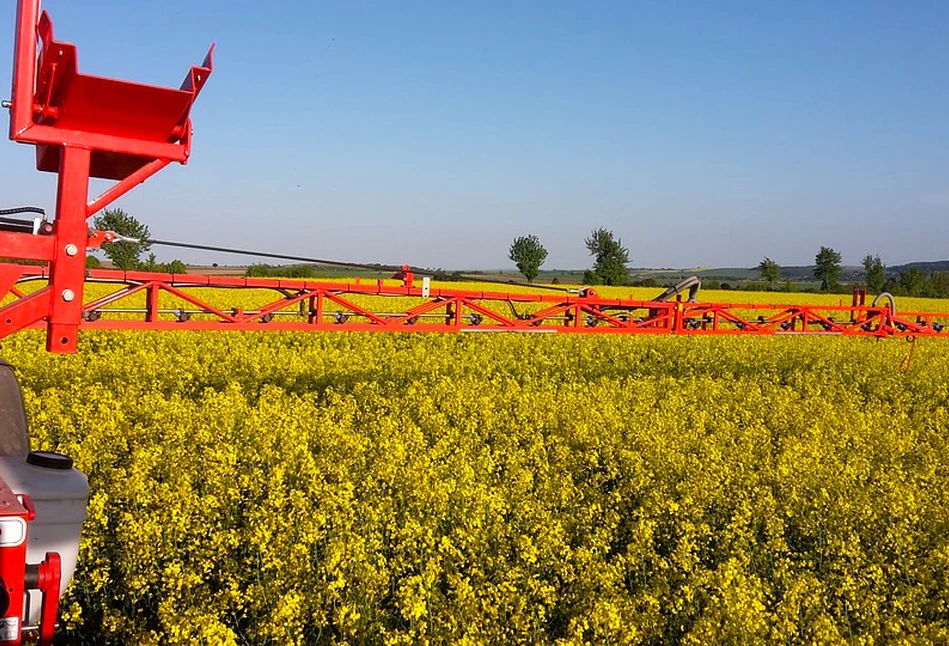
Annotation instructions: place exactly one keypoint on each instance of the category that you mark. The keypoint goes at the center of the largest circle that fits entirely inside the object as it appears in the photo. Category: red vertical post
(24, 66)
(316, 309)
(151, 303)
(68, 268)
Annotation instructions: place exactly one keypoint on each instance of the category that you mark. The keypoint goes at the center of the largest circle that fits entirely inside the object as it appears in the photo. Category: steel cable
(440, 275)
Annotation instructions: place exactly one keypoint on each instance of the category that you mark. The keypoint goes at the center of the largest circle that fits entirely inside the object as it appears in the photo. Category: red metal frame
(175, 302)
(14, 516)
(83, 126)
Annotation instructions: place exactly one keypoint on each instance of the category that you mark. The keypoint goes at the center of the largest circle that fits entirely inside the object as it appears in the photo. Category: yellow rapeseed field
(330, 488)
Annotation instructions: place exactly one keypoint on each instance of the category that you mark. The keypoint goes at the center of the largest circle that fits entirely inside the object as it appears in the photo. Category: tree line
(912, 281)
(610, 260)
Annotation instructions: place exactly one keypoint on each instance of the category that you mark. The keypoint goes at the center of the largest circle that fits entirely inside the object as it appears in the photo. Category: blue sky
(702, 134)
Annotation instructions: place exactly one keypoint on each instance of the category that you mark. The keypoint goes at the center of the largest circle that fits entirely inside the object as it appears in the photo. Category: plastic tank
(60, 494)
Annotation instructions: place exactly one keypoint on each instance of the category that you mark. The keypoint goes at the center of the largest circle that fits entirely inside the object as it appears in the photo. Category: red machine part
(48, 579)
(83, 126)
(14, 516)
(16, 577)
(181, 302)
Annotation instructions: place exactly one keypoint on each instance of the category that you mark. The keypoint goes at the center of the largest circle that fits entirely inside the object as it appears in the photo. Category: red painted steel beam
(335, 306)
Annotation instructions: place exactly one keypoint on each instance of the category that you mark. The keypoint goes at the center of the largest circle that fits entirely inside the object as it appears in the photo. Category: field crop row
(308, 488)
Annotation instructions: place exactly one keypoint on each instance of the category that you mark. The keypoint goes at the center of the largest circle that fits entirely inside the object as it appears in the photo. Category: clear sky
(701, 133)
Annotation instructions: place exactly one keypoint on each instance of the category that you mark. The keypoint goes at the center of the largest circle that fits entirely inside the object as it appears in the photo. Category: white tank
(59, 493)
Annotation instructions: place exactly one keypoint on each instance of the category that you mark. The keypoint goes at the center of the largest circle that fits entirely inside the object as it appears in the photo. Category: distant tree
(876, 273)
(914, 281)
(939, 284)
(150, 264)
(124, 255)
(827, 268)
(92, 262)
(611, 256)
(528, 254)
(175, 267)
(770, 271)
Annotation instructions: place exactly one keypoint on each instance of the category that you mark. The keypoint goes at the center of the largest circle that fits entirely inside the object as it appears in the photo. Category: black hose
(23, 209)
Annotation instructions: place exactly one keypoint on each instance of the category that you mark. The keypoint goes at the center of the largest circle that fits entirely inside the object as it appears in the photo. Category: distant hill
(928, 267)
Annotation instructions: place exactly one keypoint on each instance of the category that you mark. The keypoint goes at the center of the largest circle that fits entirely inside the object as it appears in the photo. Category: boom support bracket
(82, 126)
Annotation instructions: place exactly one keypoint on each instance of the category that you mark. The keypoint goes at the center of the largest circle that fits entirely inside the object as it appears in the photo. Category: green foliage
(528, 254)
(611, 258)
(124, 255)
(939, 284)
(828, 269)
(875, 273)
(92, 262)
(647, 282)
(770, 271)
(538, 489)
(913, 282)
(281, 271)
(175, 267)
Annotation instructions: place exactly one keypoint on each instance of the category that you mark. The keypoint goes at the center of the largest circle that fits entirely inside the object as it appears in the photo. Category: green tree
(175, 267)
(770, 271)
(939, 284)
(875, 273)
(528, 254)
(124, 255)
(827, 268)
(914, 281)
(611, 256)
(150, 264)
